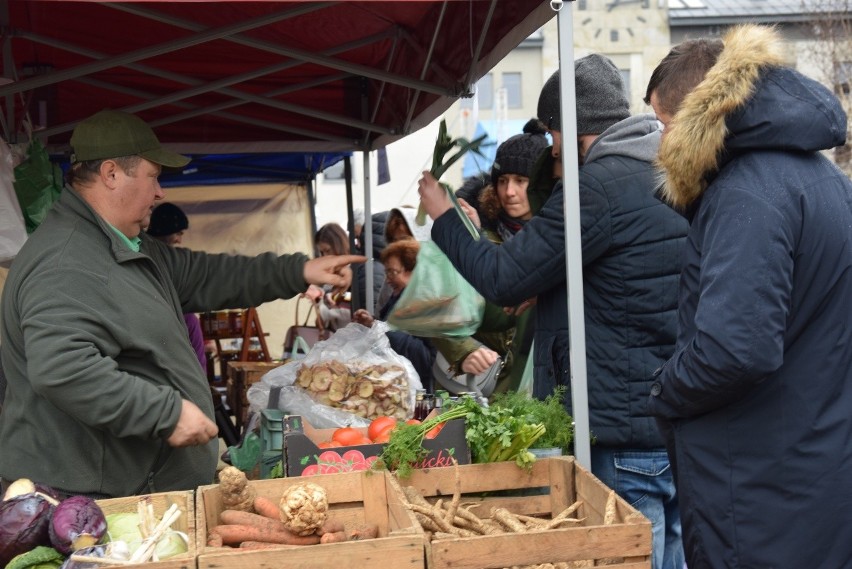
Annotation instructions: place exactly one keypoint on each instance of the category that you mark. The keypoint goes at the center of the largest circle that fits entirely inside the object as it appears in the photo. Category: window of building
(512, 84)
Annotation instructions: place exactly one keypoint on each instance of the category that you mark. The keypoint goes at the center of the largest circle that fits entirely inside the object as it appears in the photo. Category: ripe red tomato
(347, 436)
(412, 422)
(379, 424)
(383, 437)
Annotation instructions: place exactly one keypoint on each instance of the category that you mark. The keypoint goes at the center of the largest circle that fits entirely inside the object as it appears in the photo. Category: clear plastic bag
(438, 301)
(349, 379)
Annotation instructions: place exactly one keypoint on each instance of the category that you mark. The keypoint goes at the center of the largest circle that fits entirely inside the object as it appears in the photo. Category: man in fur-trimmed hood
(757, 399)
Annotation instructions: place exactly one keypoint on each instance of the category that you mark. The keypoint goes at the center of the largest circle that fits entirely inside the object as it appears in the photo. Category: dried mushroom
(367, 390)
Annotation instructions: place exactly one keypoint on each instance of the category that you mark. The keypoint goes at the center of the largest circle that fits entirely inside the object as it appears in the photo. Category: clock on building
(616, 22)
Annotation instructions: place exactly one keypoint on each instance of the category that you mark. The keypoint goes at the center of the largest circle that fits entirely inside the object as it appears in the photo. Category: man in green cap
(105, 396)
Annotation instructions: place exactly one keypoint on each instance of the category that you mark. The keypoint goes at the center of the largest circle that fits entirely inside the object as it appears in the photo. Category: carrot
(267, 508)
(333, 537)
(236, 517)
(331, 526)
(365, 531)
(233, 534)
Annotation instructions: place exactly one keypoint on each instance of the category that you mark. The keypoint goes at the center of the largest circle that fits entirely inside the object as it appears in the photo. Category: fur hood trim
(695, 138)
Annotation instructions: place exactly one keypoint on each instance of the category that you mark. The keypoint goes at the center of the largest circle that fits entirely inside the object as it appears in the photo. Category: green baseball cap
(112, 134)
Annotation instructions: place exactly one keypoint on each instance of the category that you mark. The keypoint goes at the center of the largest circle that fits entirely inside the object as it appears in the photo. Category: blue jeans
(644, 479)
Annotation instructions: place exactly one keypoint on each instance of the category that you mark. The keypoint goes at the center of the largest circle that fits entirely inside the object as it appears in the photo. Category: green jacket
(97, 357)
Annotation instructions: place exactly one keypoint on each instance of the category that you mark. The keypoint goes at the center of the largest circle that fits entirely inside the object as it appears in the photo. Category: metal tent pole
(573, 244)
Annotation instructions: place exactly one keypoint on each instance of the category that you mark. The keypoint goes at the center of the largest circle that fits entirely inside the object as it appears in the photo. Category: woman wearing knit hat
(500, 210)
(632, 245)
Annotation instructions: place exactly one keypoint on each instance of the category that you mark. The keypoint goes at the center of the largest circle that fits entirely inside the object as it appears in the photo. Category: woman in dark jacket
(500, 208)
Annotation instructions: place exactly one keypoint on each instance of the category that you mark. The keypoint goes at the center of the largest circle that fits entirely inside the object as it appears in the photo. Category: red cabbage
(24, 522)
(77, 522)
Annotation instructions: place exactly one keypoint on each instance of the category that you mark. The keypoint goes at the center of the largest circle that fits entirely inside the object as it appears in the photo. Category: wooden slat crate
(161, 502)
(550, 487)
(354, 498)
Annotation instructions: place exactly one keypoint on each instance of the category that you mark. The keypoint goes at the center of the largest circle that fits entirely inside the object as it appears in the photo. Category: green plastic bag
(438, 301)
(38, 184)
(526, 385)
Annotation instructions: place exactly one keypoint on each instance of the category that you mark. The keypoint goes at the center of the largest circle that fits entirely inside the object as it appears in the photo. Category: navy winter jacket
(758, 395)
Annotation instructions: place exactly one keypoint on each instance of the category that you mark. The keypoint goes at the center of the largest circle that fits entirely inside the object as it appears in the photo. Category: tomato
(361, 441)
(379, 424)
(383, 437)
(412, 422)
(347, 436)
(434, 431)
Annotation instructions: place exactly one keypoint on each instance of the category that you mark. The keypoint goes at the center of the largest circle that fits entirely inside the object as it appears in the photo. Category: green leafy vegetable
(443, 145)
(550, 412)
(496, 434)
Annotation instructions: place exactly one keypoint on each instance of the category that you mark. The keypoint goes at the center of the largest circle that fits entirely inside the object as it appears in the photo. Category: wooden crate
(552, 485)
(354, 498)
(161, 502)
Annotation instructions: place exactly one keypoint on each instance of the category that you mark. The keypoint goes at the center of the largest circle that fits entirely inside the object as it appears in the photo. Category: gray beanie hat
(601, 101)
(519, 154)
(548, 103)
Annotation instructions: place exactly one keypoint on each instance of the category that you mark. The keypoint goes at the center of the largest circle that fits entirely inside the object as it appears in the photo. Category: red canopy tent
(231, 76)
(277, 76)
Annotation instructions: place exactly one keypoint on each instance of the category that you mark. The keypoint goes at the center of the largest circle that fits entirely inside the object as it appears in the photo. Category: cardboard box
(302, 456)
(354, 498)
(551, 486)
(162, 502)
